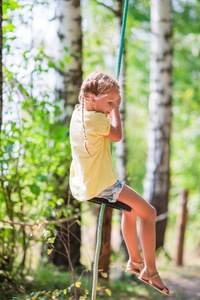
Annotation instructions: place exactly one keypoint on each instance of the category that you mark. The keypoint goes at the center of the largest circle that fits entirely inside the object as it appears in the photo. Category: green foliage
(137, 91)
(11, 4)
(136, 134)
(34, 152)
(98, 51)
(185, 140)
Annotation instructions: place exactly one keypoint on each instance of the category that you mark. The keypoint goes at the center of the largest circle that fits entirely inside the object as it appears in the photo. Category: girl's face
(107, 103)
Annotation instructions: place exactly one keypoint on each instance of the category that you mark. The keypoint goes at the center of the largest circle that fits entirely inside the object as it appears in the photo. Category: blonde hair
(99, 84)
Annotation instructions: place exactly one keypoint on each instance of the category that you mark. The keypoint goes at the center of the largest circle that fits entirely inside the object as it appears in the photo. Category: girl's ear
(92, 98)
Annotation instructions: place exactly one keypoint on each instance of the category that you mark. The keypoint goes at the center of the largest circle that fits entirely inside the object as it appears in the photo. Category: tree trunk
(180, 227)
(68, 82)
(105, 251)
(1, 75)
(157, 179)
(69, 60)
(68, 237)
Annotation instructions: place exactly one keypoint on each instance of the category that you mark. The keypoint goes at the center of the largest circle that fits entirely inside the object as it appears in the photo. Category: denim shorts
(112, 192)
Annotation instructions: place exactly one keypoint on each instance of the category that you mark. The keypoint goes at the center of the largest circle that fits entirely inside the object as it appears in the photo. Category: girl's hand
(109, 116)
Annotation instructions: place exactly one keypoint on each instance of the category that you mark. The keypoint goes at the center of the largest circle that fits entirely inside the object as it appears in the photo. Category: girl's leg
(147, 215)
(129, 231)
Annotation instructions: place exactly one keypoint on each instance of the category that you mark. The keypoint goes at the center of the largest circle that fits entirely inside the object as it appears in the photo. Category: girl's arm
(115, 133)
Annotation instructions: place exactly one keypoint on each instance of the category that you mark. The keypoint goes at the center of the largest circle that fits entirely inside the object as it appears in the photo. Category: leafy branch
(46, 223)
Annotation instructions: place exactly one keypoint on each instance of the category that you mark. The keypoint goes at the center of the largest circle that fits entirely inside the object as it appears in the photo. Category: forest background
(35, 149)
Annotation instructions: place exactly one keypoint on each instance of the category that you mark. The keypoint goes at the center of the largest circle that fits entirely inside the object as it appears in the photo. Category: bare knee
(152, 214)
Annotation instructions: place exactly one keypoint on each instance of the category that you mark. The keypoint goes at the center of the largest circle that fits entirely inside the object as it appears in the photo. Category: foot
(135, 268)
(155, 281)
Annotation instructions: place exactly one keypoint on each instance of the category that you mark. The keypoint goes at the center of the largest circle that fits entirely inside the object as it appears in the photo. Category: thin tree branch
(46, 223)
(71, 266)
(108, 7)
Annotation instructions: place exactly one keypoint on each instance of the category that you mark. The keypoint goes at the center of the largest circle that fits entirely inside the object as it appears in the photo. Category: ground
(184, 281)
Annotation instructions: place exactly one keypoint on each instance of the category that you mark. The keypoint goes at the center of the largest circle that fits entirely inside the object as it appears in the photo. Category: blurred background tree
(157, 178)
(68, 56)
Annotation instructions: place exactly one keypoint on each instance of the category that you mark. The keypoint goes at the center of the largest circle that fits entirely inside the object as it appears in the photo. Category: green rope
(122, 38)
(96, 259)
(98, 246)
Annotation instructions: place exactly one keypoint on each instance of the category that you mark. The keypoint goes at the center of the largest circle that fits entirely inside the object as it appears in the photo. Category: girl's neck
(88, 106)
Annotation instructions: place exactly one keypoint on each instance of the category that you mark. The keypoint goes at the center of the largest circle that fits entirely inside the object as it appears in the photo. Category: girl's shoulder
(89, 117)
(93, 121)
(77, 107)
(95, 114)
(89, 114)
(97, 122)
(95, 117)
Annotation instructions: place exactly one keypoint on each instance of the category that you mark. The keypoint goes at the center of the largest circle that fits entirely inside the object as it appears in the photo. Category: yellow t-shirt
(89, 176)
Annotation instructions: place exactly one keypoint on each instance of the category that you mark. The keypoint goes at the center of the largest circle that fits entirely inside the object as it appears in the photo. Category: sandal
(139, 266)
(164, 291)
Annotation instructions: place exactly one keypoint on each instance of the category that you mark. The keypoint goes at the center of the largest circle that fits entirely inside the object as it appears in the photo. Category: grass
(49, 283)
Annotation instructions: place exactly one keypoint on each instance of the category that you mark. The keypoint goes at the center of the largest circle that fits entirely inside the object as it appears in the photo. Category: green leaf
(67, 59)
(9, 148)
(41, 178)
(51, 240)
(46, 233)
(61, 64)
(11, 4)
(66, 49)
(51, 64)
(35, 189)
(65, 291)
(8, 27)
(50, 188)
(104, 275)
(77, 54)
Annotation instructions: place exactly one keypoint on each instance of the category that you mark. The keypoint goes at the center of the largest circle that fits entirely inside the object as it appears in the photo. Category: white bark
(69, 51)
(69, 79)
(156, 183)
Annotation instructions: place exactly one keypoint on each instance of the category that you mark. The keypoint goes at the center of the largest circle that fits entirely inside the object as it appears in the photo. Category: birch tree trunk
(157, 179)
(69, 59)
(68, 82)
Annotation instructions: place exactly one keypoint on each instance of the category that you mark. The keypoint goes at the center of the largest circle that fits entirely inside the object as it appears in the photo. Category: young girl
(92, 173)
